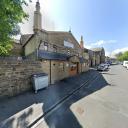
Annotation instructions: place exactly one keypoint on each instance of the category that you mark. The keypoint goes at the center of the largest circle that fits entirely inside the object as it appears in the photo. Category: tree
(125, 55)
(11, 14)
(119, 56)
(122, 56)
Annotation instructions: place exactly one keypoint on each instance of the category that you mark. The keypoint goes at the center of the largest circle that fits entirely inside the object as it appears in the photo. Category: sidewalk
(22, 110)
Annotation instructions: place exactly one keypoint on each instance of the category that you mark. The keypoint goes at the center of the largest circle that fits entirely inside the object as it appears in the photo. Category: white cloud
(102, 42)
(99, 43)
(107, 53)
(47, 22)
(113, 53)
(119, 50)
(86, 45)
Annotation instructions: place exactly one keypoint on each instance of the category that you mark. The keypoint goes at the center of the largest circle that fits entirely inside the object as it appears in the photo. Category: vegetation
(122, 56)
(11, 14)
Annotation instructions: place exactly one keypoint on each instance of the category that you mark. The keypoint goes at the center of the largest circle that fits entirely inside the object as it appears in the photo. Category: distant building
(96, 56)
(60, 53)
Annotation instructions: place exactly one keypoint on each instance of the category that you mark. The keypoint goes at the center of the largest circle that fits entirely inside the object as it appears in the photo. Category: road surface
(101, 104)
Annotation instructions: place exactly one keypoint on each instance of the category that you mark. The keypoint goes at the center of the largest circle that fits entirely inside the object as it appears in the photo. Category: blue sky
(103, 23)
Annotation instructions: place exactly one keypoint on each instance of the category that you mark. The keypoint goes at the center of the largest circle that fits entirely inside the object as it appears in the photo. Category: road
(101, 104)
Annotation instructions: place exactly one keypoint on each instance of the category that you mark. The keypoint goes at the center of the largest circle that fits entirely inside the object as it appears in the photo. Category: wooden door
(73, 69)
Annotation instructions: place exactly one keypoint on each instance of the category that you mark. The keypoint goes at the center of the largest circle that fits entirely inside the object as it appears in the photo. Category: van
(125, 63)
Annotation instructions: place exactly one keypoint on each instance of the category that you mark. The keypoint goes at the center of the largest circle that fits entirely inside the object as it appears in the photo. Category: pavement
(22, 110)
(102, 104)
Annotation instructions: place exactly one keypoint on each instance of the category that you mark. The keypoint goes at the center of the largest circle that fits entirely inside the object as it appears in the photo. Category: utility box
(39, 81)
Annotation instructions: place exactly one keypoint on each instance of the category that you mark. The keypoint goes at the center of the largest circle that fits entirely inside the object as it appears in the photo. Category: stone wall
(59, 70)
(15, 76)
(17, 49)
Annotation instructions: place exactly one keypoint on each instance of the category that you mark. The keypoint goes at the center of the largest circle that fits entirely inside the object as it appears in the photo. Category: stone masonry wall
(15, 76)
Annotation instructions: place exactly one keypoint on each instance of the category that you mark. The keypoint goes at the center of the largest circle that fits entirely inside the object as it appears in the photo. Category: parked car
(106, 65)
(125, 63)
(102, 68)
(121, 63)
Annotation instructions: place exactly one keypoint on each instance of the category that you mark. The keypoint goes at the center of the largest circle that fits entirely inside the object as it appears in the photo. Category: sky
(102, 23)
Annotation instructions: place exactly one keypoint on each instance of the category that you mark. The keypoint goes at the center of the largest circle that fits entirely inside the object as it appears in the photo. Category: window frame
(54, 48)
(46, 46)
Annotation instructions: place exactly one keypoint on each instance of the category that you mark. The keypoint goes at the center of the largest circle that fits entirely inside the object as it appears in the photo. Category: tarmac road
(101, 104)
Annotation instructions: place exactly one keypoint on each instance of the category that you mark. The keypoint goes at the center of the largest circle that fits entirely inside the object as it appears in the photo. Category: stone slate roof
(97, 49)
(69, 35)
(25, 38)
(56, 56)
(52, 55)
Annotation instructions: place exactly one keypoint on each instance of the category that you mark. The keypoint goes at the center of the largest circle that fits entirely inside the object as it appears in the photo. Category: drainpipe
(50, 72)
(37, 54)
(81, 68)
(37, 39)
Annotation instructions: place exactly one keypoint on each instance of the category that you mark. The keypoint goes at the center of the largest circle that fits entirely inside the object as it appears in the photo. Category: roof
(24, 38)
(64, 33)
(97, 49)
(52, 55)
(57, 32)
(56, 56)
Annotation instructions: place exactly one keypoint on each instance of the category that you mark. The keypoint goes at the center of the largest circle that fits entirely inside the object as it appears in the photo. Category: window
(61, 66)
(54, 48)
(68, 52)
(45, 46)
(73, 67)
(41, 46)
(68, 44)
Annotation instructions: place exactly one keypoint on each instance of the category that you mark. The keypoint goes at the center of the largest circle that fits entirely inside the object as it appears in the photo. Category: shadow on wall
(63, 117)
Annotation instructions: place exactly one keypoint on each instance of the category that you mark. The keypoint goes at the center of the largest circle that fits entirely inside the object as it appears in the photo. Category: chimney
(82, 43)
(37, 18)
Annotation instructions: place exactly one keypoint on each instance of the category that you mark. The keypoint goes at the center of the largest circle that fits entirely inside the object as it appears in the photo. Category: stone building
(97, 56)
(59, 52)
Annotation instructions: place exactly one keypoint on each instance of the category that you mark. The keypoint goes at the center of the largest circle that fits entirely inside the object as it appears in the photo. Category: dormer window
(54, 48)
(41, 46)
(45, 46)
(68, 52)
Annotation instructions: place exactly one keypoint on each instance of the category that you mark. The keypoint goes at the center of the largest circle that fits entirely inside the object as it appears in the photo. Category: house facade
(96, 56)
(60, 53)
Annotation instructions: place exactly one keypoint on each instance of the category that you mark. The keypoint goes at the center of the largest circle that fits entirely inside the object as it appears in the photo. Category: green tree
(119, 56)
(11, 14)
(125, 55)
(122, 56)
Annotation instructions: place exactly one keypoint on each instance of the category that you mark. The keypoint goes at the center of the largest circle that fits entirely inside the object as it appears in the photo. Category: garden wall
(15, 76)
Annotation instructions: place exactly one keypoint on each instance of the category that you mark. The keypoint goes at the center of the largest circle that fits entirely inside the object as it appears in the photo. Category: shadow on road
(107, 73)
(63, 116)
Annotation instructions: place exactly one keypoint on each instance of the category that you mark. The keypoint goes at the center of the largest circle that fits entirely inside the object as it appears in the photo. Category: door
(73, 69)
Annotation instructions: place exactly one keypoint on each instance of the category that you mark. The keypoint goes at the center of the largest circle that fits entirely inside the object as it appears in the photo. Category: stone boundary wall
(15, 76)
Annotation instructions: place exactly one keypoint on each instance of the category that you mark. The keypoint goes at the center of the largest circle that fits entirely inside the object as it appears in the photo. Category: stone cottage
(60, 53)
(97, 56)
